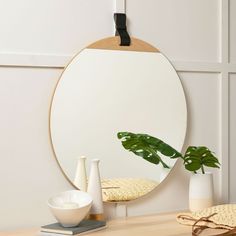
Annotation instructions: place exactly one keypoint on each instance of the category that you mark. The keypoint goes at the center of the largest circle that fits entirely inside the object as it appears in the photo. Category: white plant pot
(200, 191)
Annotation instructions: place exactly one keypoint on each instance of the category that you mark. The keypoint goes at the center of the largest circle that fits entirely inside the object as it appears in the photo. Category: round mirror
(106, 89)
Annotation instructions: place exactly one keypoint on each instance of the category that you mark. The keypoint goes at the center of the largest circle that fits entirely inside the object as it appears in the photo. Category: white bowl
(70, 207)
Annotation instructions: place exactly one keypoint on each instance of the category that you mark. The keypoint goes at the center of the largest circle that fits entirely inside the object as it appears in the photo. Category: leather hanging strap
(121, 30)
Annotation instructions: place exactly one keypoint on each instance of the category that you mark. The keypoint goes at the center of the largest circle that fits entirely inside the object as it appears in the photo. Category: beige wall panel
(28, 172)
(183, 30)
(55, 26)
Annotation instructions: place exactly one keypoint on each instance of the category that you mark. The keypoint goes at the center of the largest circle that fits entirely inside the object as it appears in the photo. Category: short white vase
(200, 191)
(80, 180)
(95, 190)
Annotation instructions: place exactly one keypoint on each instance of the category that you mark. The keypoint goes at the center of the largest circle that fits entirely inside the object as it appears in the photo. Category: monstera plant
(196, 158)
(150, 148)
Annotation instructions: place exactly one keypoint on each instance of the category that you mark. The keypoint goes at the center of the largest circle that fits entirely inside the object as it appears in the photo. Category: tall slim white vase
(95, 190)
(80, 180)
(200, 191)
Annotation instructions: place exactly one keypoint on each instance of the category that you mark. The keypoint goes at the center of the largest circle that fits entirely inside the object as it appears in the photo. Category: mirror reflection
(104, 91)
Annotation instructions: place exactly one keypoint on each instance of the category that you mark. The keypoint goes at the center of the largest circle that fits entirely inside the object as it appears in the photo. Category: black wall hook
(121, 30)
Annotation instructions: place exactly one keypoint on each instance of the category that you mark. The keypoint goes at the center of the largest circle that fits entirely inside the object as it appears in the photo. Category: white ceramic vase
(200, 191)
(95, 190)
(80, 180)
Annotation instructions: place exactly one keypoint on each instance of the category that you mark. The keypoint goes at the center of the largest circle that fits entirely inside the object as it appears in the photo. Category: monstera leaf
(196, 158)
(147, 147)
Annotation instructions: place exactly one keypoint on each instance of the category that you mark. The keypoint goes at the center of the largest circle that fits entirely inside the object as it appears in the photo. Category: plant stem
(202, 168)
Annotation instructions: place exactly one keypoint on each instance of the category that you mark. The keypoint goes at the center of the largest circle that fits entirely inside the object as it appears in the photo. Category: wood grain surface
(153, 225)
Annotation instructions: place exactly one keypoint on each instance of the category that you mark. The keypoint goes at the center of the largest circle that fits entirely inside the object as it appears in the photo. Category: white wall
(37, 39)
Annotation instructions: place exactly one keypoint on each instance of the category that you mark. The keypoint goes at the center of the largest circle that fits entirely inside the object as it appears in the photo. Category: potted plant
(195, 159)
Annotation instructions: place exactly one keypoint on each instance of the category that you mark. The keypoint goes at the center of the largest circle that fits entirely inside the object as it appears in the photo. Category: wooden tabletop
(153, 225)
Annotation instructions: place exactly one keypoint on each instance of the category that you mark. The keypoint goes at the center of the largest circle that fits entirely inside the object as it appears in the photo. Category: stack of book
(85, 226)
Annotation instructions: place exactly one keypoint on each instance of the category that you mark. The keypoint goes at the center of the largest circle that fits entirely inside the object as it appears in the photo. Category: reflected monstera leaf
(147, 147)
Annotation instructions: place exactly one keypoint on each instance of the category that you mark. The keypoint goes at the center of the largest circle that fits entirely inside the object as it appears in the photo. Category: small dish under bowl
(70, 207)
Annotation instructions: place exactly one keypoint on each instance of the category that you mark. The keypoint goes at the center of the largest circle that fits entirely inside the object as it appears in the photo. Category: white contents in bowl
(69, 205)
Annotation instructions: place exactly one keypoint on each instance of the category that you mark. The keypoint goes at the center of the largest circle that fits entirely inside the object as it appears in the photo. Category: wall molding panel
(60, 61)
(35, 60)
